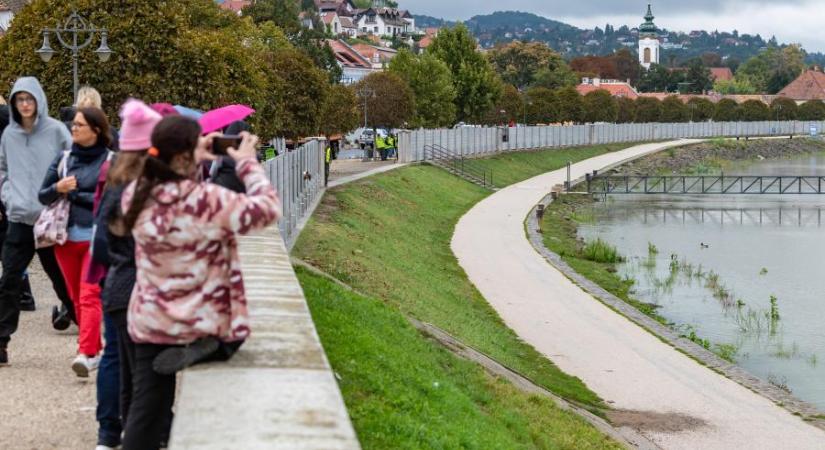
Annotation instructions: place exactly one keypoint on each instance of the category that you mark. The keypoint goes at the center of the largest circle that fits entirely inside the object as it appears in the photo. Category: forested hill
(677, 46)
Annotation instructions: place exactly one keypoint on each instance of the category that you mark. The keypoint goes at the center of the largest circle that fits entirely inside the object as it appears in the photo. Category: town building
(808, 86)
(353, 65)
(8, 9)
(343, 8)
(721, 74)
(616, 88)
(235, 6)
(385, 21)
(649, 44)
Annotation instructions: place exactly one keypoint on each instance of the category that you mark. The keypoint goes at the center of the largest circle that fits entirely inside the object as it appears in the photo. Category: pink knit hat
(138, 121)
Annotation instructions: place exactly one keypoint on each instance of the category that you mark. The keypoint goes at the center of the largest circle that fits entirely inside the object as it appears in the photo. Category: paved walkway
(627, 366)
(43, 404)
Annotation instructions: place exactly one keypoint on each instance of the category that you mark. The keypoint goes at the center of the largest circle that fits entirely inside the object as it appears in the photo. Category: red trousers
(73, 258)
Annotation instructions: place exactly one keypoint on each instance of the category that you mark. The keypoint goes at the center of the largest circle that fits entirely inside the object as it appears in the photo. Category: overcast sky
(801, 21)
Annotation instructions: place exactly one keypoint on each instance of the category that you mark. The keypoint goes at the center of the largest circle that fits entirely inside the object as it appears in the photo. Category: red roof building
(809, 86)
(235, 5)
(614, 87)
(721, 73)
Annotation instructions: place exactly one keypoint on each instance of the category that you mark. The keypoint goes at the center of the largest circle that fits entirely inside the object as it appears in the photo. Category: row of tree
(192, 53)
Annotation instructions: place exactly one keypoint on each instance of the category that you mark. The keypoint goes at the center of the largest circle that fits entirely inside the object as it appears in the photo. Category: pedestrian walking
(74, 175)
(114, 248)
(188, 302)
(29, 145)
(26, 297)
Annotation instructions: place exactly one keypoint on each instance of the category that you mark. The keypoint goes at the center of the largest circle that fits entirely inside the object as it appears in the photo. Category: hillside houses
(8, 9)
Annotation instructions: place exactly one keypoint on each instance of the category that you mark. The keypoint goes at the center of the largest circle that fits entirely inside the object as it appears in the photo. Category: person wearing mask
(185, 245)
(29, 145)
(81, 166)
(114, 378)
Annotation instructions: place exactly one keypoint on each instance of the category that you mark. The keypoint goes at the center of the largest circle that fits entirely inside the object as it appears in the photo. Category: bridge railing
(471, 142)
(706, 184)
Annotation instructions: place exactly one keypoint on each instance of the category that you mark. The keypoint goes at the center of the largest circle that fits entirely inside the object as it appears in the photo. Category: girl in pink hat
(115, 250)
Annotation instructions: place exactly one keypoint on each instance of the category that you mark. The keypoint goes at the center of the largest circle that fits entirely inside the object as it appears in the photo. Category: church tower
(648, 41)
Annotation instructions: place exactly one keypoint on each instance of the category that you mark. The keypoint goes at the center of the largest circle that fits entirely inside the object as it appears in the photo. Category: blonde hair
(88, 96)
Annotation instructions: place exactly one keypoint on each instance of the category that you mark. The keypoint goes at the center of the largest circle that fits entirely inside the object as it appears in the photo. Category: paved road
(624, 364)
(43, 405)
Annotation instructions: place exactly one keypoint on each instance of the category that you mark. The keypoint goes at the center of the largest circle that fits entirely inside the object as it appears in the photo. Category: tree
(737, 85)
(622, 65)
(391, 104)
(710, 59)
(508, 108)
(476, 84)
(542, 105)
(648, 109)
(659, 79)
(184, 52)
(812, 110)
(701, 109)
(600, 106)
(754, 111)
(339, 113)
(570, 105)
(674, 110)
(627, 110)
(304, 89)
(698, 77)
(727, 110)
(519, 63)
(773, 69)
(285, 15)
(432, 85)
(783, 108)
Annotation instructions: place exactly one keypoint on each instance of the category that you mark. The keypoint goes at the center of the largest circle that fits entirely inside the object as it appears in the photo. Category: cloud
(797, 21)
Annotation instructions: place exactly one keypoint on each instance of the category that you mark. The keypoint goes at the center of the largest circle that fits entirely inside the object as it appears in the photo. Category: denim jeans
(108, 389)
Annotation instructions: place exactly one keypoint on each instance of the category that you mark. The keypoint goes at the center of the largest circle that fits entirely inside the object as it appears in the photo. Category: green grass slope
(405, 392)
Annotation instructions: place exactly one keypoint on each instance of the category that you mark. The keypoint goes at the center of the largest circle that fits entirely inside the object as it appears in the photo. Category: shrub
(812, 110)
(601, 251)
(783, 108)
(726, 111)
(754, 111)
(674, 110)
(600, 106)
(648, 109)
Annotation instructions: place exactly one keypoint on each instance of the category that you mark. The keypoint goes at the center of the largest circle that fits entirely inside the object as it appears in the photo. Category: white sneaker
(83, 364)
(105, 447)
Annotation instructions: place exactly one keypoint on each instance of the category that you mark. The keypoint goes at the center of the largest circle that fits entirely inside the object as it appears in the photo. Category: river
(713, 264)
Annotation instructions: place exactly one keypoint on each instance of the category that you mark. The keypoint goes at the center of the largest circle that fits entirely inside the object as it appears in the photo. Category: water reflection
(745, 272)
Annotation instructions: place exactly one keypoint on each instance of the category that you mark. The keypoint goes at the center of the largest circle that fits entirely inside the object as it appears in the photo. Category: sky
(791, 21)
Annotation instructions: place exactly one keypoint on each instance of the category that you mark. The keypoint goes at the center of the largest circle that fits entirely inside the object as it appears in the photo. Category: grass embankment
(510, 168)
(559, 228)
(389, 237)
(405, 392)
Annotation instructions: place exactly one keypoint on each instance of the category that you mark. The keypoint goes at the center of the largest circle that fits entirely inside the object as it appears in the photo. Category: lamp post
(76, 34)
(366, 93)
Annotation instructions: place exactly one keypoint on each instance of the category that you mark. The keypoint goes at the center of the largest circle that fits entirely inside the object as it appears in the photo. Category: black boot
(4, 355)
(62, 318)
(176, 359)
(26, 297)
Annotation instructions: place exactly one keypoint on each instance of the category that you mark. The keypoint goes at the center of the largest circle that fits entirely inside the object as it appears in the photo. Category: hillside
(506, 26)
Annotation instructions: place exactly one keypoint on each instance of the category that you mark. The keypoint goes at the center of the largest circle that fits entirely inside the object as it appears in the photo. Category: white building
(649, 44)
(386, 22)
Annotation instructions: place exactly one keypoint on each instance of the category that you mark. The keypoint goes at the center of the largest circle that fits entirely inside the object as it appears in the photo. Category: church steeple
(648, 27)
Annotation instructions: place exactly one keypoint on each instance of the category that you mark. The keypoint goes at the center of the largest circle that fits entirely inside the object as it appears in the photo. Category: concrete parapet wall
(278, 391)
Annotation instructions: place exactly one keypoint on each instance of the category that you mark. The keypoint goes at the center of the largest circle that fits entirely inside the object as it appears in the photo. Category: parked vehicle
(367, 139)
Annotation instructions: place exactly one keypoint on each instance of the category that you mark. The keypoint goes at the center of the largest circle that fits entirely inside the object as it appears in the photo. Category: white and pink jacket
(189, 282)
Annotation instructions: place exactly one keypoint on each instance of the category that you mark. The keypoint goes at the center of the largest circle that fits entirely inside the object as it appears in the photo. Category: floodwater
(720, 259)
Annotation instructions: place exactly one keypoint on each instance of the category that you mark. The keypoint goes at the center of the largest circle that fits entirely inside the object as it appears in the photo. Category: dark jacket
(120, 280)
(84, 163)
(226, 176)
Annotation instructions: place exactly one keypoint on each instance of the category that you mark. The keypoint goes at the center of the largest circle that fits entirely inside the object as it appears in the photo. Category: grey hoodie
(25, 157)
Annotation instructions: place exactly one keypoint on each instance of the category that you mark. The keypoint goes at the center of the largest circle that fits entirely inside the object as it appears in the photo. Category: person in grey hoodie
(29, 145)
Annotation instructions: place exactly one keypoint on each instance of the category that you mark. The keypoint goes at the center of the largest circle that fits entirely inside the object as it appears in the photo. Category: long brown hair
(126, 168)
(98, 123)
(172, 136)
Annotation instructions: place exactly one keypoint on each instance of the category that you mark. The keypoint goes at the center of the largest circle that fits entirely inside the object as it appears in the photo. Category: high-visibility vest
(329, 155)
(379, 142)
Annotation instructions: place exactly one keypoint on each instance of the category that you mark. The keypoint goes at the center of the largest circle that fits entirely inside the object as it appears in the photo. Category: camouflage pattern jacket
(189, 282)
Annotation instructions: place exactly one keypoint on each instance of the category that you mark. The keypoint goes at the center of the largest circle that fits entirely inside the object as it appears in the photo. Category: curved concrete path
(627, 366)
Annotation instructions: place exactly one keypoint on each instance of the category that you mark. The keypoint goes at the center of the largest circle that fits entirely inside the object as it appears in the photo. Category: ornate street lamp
(75, 34)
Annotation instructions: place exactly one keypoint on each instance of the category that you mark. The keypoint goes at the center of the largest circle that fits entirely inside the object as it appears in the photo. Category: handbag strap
(63, 166)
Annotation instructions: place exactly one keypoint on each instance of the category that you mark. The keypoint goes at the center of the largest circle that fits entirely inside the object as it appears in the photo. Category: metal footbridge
(705, 184)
